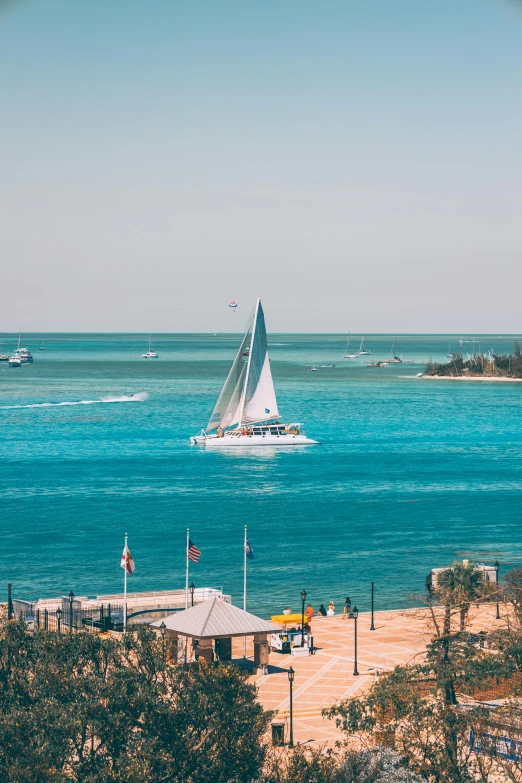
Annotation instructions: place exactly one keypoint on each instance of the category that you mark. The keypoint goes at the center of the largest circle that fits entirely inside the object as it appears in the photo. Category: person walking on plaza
(347, 611)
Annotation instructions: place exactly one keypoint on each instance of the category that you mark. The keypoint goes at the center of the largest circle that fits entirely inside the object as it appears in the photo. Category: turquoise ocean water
(410, 474)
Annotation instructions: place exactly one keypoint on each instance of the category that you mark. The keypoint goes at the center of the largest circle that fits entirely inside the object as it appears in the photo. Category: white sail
(227, 407)
(259, 402)
(248, 394)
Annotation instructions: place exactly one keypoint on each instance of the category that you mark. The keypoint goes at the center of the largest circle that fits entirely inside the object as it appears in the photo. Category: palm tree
(458, 587)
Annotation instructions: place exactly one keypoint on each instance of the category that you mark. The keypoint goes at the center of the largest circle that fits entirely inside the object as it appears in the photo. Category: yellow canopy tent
(289, 619)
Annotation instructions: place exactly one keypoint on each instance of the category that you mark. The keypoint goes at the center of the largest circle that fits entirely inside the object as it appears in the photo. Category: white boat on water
(394, 359)
(362, 350)
(150, 354)
(349, 354)
(20, 355)
(246, 413)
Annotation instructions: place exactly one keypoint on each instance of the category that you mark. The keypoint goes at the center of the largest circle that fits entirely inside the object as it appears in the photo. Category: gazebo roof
(214, 619)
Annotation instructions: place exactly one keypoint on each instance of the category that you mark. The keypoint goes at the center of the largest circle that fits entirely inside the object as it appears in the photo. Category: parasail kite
(233, 306)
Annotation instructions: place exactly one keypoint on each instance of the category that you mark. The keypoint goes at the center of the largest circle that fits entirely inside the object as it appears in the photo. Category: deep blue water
(411, 473)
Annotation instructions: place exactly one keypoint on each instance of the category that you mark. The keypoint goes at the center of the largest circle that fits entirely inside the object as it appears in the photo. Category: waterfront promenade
(322, 679)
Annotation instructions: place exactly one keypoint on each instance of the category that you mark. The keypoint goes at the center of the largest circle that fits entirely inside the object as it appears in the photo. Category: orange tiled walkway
(326, 677)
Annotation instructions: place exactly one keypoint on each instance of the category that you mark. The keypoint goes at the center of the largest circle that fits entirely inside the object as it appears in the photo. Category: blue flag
(248, 549)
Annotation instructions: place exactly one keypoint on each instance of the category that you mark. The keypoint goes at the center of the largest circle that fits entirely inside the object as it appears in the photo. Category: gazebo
(212, 625)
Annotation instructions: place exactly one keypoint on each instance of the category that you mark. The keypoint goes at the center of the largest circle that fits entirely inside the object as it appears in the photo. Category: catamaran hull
(227, 441)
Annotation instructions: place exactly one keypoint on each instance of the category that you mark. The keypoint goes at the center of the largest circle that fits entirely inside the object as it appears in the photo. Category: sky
(355, 163)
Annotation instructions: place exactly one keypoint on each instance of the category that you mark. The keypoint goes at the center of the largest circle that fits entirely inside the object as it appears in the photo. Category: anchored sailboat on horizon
(246, 413)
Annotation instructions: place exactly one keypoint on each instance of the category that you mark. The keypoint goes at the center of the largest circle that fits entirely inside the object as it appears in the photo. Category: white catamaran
(246, 412)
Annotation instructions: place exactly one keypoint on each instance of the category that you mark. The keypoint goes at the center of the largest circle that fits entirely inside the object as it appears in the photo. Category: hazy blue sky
(356, 163)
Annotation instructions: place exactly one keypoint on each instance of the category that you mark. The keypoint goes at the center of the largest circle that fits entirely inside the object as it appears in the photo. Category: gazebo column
(205, 650)
(171, 646)
(261, 650)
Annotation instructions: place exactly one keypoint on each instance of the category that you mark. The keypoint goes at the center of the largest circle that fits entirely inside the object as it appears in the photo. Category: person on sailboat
(219, 432)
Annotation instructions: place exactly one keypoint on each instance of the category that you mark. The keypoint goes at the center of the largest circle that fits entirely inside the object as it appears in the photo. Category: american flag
(193, 553)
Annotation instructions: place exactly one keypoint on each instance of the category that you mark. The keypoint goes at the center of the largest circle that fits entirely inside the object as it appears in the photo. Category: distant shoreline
(496, 378)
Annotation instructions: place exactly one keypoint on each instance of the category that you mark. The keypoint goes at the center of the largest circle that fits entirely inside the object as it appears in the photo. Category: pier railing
(70, 617)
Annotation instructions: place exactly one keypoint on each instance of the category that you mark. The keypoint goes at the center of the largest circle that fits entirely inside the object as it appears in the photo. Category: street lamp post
(163, 631)
(303, 599)
(291, 675)
(59, 619)
(355, 614)
(71, 599)
(372, 626)
(497, 566)
(10, 613)
(192, 588)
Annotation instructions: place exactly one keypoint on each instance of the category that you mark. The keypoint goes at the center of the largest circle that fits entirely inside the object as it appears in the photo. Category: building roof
(214, 619)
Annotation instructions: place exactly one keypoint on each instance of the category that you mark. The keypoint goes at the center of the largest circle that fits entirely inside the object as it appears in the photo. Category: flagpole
(125, 585)
(187, 570)
(244, 584)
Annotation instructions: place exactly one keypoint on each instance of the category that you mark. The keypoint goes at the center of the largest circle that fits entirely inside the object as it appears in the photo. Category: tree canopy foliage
(85, 708)
(507, 365)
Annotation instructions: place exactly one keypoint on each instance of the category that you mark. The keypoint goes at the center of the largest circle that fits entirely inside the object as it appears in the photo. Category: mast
(249, 362)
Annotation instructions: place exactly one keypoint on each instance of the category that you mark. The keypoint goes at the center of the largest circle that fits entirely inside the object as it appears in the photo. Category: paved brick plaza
(326, 677)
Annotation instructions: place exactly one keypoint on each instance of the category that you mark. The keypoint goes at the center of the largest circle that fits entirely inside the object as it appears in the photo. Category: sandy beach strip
(470, 378)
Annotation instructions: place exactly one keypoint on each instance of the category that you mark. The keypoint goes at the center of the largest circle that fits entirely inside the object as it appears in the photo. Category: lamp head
(355, 613)
(496, 565)
(58, 613)
(71, 596)
(291, 674)
(303, 595)
(163, 629)
(192, 587)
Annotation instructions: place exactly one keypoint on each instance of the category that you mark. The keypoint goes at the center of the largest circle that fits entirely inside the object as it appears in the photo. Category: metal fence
(495, 745)
(70, 617)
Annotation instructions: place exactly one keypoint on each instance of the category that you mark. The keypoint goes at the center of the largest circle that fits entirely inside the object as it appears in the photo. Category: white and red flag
(126, 560)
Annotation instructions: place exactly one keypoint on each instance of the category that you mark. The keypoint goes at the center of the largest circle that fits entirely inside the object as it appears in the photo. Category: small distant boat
(349, 355)
(362, 350)
(42, 344)
(449, 356)
(4, 357)
(20, 355)
(313, 369)
(150, 354)
(394, 359)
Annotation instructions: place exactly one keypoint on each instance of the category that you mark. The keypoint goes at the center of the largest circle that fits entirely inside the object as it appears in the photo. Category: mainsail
(248, 394)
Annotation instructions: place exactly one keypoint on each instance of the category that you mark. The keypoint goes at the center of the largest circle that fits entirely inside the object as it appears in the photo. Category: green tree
(85, 708)
(511, 591)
